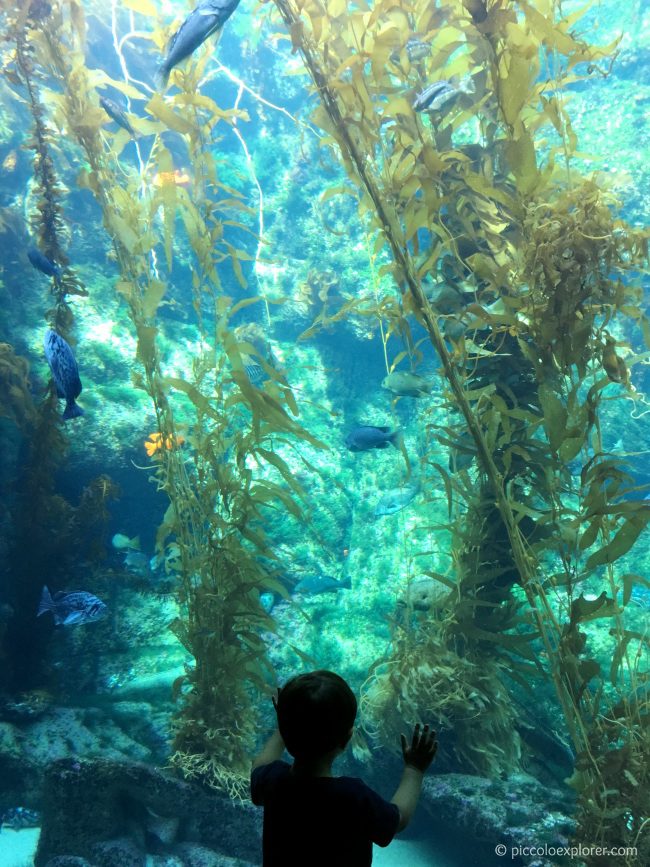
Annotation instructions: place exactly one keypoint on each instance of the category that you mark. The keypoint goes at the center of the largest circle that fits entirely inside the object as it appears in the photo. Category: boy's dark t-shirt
(320, 821)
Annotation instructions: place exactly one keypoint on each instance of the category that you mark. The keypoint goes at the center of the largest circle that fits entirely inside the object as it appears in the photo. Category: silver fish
(395, 500)
(407, 384)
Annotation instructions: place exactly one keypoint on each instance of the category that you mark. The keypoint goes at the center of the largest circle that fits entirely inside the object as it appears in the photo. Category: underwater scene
(324, 345)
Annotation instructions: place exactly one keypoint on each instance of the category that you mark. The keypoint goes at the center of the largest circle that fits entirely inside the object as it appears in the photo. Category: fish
(65, 372)
(407, 384)
(423, 594)
(116, 113)
(138, 562)
(41, 262)
(447, 297)
(179, 177)
(462, 453)
(255, 373)
(416, 49)
(156, 443)
(436, 96)
(71, 608)
(20, 817)
(10, 161)
(366, 437)
(315, 584)
(207, 18)
(120, 541)
(396, 499)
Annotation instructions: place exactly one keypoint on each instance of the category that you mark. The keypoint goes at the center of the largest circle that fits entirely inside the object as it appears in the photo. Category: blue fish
(42, 263)
(70, 608)
(116, 113)
(255, 373)
(315, 584)
(366, 437)
(208, 17)
(64, 371)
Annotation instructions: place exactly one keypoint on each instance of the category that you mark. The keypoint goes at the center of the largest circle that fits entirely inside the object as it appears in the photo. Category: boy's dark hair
(315, 713)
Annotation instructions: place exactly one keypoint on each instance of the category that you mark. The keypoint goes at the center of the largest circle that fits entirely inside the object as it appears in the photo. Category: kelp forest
(486, 252)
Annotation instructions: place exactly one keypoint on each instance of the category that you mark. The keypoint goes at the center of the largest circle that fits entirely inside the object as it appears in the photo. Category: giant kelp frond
(230, 476)
(547, 260)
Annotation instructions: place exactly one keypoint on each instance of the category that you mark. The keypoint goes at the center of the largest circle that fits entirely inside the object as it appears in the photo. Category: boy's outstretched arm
(417, 759)
(271, 752)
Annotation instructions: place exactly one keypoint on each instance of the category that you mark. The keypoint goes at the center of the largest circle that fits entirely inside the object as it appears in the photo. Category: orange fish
(9, 162)
(156, 443)
(178, 177)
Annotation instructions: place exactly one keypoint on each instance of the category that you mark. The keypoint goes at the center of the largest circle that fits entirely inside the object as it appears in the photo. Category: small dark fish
(42, 263)
(366, 437)
(71, 608)
(114, 111)
(435, 96)
(395, 500)
(64, 371)
(20, 817)
(207, 18)
(315, 584)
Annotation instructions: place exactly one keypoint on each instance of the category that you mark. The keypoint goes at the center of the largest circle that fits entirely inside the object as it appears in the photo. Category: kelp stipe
(425, 196)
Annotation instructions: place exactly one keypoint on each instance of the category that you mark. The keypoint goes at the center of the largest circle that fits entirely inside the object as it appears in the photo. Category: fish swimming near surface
(396, 499)
(20, 817)
(65, 372)
(439, 95)
(116, 113)
(207, 18)
(407, 384)
(366, 437)
(315, 584)
(41, 262)
(69, 609)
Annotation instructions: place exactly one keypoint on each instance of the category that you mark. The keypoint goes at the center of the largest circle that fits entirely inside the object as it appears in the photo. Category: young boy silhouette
(311, 818)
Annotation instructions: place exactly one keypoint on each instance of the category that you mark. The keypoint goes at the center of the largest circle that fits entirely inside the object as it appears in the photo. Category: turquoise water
(236, 320)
